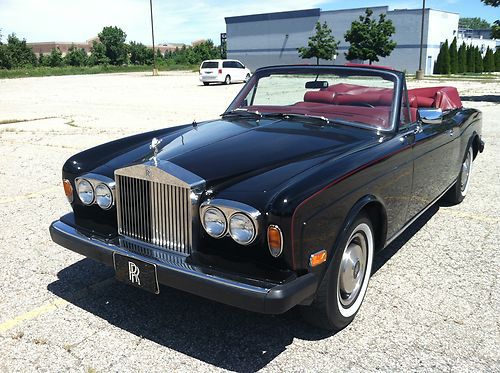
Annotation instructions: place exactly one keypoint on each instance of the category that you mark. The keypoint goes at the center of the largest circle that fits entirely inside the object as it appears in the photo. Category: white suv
(223, 71)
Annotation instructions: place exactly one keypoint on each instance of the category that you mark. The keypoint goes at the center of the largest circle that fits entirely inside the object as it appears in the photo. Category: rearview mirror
(430, 116)
(315, 84)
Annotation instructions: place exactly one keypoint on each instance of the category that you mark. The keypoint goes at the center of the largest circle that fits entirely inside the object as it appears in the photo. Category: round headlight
(214, 222)
(85, 192)
(103, 196)
(241, 229)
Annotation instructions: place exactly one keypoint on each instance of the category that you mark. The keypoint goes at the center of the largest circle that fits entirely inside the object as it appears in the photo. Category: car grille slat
(155, 213)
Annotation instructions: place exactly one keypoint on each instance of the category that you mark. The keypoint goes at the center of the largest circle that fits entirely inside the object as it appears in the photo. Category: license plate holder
(136, 272)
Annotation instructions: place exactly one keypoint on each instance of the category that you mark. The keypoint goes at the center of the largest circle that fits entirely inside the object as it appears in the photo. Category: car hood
(230, 151)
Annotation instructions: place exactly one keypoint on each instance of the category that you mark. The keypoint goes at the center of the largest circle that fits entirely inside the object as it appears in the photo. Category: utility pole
(420, 72)
(155, 70)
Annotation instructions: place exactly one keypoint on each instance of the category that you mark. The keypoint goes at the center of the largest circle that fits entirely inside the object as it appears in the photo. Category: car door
(435, 153)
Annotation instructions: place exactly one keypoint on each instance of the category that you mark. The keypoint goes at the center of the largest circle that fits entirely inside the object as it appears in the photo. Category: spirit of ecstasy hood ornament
(154, 146)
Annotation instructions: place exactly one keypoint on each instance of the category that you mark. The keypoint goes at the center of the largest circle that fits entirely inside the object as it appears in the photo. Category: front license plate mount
(136, 272)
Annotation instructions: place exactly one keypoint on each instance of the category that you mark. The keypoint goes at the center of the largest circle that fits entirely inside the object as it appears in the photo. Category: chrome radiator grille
(156, 213)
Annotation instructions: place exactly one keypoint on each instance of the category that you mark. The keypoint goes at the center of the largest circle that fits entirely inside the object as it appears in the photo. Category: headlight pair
(220, 217)
(97, 189)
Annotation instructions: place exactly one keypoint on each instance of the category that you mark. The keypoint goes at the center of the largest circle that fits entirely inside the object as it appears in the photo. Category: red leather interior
(367, 105)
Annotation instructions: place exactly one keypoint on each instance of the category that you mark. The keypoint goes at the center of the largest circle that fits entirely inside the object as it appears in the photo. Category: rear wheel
(344, 285)
(227, 80)
(458, 191)
(206, 83)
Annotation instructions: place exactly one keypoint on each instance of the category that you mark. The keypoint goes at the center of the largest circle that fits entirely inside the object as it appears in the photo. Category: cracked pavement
(433, 303)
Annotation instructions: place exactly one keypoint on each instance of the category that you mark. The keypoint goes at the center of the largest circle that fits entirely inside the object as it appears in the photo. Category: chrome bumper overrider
(174, 271)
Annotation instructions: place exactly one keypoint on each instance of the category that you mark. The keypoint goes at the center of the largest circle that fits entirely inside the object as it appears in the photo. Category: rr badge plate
(136, 272)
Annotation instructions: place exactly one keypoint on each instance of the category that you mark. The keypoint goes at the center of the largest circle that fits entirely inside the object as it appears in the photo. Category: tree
(98, 54)
(462, 59)
(140, 54)
(471, 60)
(76, 56)
(489, 61)
(55, 58)
(370, 39)
(497, 60)
(478, 63)
(493, 3)
(113, 38)
(321, 45)
(474, 23)
(495, 29)
(442, 65)
(16, 53)
(453, 57)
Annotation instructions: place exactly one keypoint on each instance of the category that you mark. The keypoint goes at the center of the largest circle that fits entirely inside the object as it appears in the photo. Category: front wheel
(459, 190)
(247, 78)
(344, 285)
(227, 81)
(206, 83)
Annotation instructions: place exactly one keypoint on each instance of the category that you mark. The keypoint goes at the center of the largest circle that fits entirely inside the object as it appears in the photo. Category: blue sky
(175, 20)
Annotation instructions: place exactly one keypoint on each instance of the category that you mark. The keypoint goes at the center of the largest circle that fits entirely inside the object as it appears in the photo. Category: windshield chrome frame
(393, 75)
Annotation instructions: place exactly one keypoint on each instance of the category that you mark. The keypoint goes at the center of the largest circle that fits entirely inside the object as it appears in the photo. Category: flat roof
(315, 12)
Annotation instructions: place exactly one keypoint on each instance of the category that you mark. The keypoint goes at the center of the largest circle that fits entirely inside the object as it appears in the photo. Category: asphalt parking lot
(433, 302)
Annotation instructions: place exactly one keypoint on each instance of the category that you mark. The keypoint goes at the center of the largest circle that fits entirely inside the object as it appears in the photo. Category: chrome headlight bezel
(82, 183)
(107, 190)
(230, 208)
(251, 228)
(95, 180)
(217, 212)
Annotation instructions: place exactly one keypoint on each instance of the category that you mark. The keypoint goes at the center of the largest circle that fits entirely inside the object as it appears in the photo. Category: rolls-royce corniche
(284, 200)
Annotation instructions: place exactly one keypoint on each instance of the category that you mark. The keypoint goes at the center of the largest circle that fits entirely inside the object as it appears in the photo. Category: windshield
(350, 96)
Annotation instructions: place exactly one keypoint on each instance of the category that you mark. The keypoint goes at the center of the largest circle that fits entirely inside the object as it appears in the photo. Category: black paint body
(308, 179)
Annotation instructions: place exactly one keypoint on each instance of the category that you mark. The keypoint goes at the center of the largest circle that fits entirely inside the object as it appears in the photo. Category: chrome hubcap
(352, 269)
(466, 167)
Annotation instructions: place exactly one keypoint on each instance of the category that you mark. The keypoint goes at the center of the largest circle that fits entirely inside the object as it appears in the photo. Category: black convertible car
(284, 200)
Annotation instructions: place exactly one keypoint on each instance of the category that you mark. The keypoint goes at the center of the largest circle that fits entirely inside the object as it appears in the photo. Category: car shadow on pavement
(486, 98)
(217, 334)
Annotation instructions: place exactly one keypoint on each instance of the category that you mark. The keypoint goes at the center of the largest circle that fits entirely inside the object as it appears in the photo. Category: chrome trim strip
(398, 233)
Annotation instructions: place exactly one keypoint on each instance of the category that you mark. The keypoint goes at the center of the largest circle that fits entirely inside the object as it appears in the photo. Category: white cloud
(175, 20)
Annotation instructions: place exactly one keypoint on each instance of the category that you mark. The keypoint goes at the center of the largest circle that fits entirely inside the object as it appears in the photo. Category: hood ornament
(154, 147)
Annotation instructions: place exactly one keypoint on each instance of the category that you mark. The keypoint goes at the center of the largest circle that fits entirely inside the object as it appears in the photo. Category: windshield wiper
(307, 117)
(242, 113)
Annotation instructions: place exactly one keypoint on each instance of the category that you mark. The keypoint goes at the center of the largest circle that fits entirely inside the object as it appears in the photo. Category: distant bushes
(467, 59)
(109, 49)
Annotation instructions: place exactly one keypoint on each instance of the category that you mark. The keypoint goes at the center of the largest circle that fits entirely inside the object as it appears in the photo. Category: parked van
(223, 71)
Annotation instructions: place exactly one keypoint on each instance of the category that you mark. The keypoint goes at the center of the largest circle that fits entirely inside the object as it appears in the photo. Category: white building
(273, 38)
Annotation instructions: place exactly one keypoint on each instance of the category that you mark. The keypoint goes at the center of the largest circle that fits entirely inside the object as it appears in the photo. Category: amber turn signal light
(68, 190)
(317, 258)
(274, 240)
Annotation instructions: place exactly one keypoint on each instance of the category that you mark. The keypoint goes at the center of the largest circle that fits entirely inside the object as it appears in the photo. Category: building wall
(272, 39)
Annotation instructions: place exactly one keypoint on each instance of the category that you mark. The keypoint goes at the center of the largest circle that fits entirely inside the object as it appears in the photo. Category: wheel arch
(375, 209)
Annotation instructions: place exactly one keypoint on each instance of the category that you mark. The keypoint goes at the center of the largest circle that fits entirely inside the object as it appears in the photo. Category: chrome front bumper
(174, 271)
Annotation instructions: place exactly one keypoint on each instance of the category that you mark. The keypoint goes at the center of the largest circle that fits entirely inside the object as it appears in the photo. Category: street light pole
(155, 70)
(420, 72)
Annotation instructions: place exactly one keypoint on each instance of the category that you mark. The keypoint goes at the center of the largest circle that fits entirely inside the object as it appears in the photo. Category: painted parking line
(50, 306)
(472, 216)
(33, 314)
(21, 197)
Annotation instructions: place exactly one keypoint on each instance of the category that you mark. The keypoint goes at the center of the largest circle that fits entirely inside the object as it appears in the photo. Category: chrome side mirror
(430, 116)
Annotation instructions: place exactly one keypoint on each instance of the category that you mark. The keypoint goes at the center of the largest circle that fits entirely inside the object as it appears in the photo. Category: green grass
(101, 69)
(463, 77)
